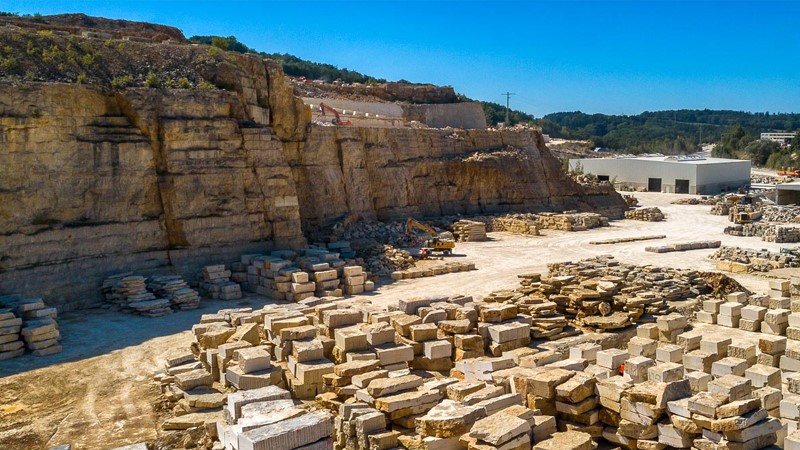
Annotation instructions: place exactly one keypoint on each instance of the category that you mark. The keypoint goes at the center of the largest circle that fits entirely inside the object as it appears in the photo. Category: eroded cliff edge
(96, 181)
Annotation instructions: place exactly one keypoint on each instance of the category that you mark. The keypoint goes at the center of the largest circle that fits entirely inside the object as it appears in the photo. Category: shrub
(31, 49)
(152, 80)
(45, 33)
(52, 55)
(184, 83)
(213, 51)
(82, 78)
(87, 59)
(206, 85)
(8, 63)
(108, 43)
(121, 81)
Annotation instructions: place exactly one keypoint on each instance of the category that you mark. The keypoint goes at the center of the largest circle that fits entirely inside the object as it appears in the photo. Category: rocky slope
(96, 180)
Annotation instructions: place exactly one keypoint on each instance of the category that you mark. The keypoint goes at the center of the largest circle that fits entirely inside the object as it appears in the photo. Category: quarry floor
(96, 394)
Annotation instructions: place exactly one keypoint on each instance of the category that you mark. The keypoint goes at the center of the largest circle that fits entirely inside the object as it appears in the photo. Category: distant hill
(662, 131)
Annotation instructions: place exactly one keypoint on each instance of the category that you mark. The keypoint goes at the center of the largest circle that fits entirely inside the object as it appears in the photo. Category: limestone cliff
(94, 180)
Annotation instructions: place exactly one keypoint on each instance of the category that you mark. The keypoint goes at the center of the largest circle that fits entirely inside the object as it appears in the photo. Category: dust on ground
(97, 393)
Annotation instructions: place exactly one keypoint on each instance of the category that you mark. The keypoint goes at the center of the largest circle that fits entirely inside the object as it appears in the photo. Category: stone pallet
(432, 271)
(469, 231)
(767, 231)
(683, 247)
(645, 214)
(742, 260)
(215, 282)
(600, 293)
(294, 276)
(27, 323)
(175, 289)
(629, 239)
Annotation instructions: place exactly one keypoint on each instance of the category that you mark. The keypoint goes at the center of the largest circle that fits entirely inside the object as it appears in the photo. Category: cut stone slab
(289, 434)
(499, 428)
(568, 440)
(448, 419)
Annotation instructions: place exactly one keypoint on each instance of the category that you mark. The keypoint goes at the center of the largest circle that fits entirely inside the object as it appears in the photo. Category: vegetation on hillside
(292, 65)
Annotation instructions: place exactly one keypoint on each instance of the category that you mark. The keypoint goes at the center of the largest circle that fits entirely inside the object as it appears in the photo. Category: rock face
(94, 182)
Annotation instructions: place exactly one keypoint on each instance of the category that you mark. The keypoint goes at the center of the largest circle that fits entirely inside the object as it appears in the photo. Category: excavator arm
(411, 224)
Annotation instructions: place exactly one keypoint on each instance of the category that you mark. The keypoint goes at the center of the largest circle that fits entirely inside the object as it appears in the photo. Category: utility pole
(508, 103)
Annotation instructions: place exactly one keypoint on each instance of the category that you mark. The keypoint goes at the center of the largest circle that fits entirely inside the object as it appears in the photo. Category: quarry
(249, 260)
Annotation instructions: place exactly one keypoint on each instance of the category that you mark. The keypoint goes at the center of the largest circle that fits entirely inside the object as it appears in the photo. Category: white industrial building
(672, 174)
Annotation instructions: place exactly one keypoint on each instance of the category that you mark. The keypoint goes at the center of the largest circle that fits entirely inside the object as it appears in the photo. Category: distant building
(782, 138)
(672, 174)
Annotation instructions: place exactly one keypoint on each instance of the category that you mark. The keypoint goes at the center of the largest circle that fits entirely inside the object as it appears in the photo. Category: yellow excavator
(437, 243)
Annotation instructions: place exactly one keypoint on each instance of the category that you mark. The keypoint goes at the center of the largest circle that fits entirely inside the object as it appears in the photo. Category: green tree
(732, 142)
(760, 150)
(219, 42)
(796, 142)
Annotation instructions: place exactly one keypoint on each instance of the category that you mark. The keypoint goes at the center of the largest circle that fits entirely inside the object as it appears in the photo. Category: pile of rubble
(530, 223)
(697, 200)
(646, 214)
(630, 200)
(784, 214)
(602, 294)
(393, 233)
(451, 372)
(383, 259)
(469, 231)
(769, 232)
(743, 260)
(683, 247)
(433, 270)
(296, 275)
(27, 323)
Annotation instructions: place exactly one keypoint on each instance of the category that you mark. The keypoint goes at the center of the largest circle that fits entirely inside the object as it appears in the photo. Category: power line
(508, 103)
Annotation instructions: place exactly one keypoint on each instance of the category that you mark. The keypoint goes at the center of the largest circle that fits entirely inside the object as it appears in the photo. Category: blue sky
(609, 57)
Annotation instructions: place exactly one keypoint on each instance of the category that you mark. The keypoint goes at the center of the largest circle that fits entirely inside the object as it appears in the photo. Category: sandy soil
(97, 393)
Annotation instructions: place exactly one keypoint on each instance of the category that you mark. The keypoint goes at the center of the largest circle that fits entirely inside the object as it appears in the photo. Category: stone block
(729, 366)
(772, 345)
(699, 381)
(761, 375)
(669, 353)
(638, 346)
(437, 349)
(612, 358)
(665, 372)
(732, 386)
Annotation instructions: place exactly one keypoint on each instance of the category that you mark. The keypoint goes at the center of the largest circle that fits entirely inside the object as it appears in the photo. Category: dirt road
(97, 394)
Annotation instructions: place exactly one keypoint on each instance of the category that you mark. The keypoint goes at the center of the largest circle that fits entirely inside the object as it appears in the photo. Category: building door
(681, 186)
(654, 184)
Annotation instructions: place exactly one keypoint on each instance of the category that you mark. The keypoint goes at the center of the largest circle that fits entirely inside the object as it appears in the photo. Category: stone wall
(94, 182)
(457, 115)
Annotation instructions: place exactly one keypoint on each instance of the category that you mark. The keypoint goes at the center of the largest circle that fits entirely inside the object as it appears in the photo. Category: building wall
(635, 173)
(784, 196)
(703, 178)
(457, 115)
(722, 176)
